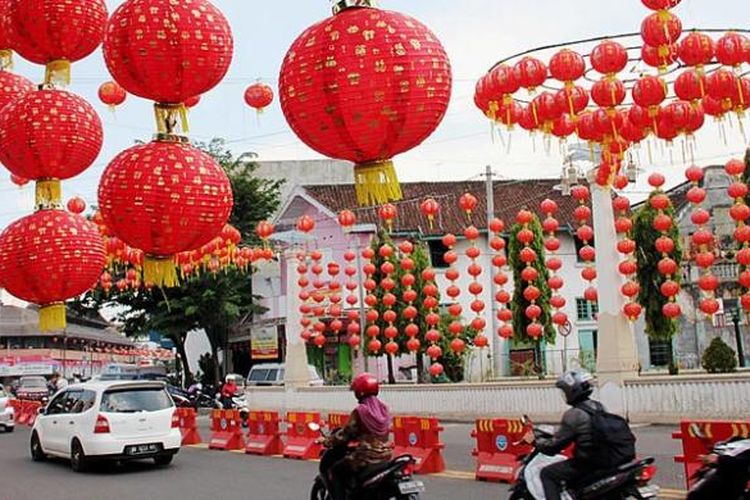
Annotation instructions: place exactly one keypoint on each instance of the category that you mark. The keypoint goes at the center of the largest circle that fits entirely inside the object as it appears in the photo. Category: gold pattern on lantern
(368, 35)
(380, 66)
(399, 49)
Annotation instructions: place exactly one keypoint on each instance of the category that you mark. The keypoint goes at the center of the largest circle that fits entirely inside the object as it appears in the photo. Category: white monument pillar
(617, 358)
(296, 373)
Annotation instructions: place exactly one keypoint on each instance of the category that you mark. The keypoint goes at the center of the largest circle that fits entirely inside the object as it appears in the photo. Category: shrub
(719, 357)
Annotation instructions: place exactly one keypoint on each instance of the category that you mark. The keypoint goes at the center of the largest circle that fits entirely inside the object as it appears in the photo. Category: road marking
(460, 475)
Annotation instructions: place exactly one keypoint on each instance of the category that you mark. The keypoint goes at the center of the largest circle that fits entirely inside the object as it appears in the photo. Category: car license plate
(142, 449)
(649, 491)
(409, 487)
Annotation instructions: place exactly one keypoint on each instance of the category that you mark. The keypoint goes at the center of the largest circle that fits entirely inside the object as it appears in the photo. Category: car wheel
(78, 461)
(37, 453)
(163, 460)
(10, 429)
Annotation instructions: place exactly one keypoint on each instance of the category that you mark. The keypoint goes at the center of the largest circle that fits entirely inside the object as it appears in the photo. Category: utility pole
(738, 336)
(497, 355)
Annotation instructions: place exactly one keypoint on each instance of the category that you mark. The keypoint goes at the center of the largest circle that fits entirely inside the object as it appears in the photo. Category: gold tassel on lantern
(6, 59)
(57, 73)
(168, 116)
(52, 317)
(48, 194)
(160, 271)
(376, 183)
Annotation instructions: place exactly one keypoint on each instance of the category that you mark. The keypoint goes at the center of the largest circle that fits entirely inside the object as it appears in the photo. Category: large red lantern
(168, 51)
(13, 87)
(56, 32)
(530, 73)
(259, 96)
(379, 78)
(49, 257)
(164, 198)
(661, 29)
(697, 49)
(609, 57)
(567, 66)
(49, 134)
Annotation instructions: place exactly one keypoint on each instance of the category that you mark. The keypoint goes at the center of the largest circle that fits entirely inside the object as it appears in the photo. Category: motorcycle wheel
(319, 491)
(520, 495)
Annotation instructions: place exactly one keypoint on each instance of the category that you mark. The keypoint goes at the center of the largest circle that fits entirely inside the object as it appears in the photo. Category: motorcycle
(234, 403)
(726, 478)
(200, 398)
(629, 481)
(387, 481)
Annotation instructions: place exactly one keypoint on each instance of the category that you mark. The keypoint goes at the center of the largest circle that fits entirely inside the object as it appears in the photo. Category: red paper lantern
(167, 51)
(732, 49)
(49, 134)
(530, 72)
(649, 91)
(76, 205)
(609, 57)
(305, 224)
(429, 208)
(49, 257)
(567, 66)
(722, 84)
(659, 57)
(13, 87)
(661, 4)
(259, 96)
(696, 49)
(343, 86)
(661, 28)
(56, 32)
(468, 202)
(671, 310)
(148, 198)
(572, 99)
(608, 92)
(632, 310)
(111, 94)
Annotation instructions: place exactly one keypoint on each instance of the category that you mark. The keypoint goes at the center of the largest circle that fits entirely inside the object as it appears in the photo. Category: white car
(113, 420)
(268, 374)
(7, 414)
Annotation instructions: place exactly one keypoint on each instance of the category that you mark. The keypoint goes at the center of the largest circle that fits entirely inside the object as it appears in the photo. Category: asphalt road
(201, 474)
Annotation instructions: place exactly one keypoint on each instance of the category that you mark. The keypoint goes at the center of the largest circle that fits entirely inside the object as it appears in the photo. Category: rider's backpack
(614, 441)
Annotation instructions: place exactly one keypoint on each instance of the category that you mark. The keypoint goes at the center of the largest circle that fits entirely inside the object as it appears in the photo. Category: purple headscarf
(374, 415)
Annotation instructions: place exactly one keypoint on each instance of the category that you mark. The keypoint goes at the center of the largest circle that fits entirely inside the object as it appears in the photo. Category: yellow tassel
(52, 317)
(376, 183)
(48, 194)
(57, 73)
(160, 271)
(6, 59)
(168, 116)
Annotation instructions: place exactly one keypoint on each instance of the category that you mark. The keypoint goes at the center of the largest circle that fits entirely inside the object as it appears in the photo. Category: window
(585, 310)
(258, 375)
(588, 343)
(84, 402)
(135, 400)
(660, 352)
(57, 405)
(437, 250)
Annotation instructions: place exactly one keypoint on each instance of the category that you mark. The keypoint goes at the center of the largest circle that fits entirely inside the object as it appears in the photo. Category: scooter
(235, 403)
(387, 481)
(728, 477)
(629, 481)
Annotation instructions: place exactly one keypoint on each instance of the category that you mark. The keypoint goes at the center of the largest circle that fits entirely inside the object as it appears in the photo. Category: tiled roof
(510, 197)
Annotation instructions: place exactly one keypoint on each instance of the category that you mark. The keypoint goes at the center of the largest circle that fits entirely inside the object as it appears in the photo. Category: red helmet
(365, 384)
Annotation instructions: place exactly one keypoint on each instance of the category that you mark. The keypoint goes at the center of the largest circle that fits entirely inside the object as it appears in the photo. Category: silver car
(7, 414)
(272, 374)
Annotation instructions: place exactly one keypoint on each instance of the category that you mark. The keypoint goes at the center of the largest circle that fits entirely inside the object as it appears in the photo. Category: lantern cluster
(304, 295)
(740, 212)
(374, 345)
(500, 279)
(389, 299)
(585, 234)
(48, 135)
(529, 275)
(166, 197)
(455, 328)
(702, 243)
(357, 74)
(353, 328)
(409, 296)
(476, 289)
(665, 246)
(432, 319)
(550, 225)
(629, 266)
(618, 113)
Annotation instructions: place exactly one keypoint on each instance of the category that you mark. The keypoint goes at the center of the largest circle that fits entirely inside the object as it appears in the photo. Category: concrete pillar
(617, 358)
(296, 373)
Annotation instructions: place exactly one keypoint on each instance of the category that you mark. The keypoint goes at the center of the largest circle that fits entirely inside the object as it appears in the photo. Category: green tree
(520, 303)
(719, 357)
(219, 303)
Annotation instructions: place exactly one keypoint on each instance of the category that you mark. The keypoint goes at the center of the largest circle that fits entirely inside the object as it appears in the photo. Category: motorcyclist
(228, 391)
(575, 428)
(731, 477)
(369, 425)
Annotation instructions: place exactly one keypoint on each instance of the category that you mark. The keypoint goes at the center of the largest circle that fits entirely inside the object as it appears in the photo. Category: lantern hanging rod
(606, 37)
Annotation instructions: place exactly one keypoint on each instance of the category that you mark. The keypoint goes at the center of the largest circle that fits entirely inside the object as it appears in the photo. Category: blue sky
(476, 33)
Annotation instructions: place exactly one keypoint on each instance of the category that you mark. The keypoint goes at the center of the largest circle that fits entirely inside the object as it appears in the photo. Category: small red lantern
(264, 230)
(660, 57)
(567, 66)
(430, 209)
(661, 4)
(259, 96)
(76, 205)
(732, 49)
(661, 28)
(530, 72)
(468, 202)
(387, 214)
(347, 219)
(305, 224)
(168, 52)
(111, 94)
(649, 91)
(609, 57)
(697, 49)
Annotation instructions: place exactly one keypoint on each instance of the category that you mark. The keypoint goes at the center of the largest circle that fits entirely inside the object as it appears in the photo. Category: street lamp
(738, 335)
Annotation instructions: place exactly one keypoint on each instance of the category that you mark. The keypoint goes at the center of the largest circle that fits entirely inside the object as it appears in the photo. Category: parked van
(269, 374)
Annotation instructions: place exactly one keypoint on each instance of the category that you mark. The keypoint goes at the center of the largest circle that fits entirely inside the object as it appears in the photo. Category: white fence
(648, 399)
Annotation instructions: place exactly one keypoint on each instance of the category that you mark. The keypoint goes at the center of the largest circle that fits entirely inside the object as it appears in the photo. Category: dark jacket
(575, 428)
